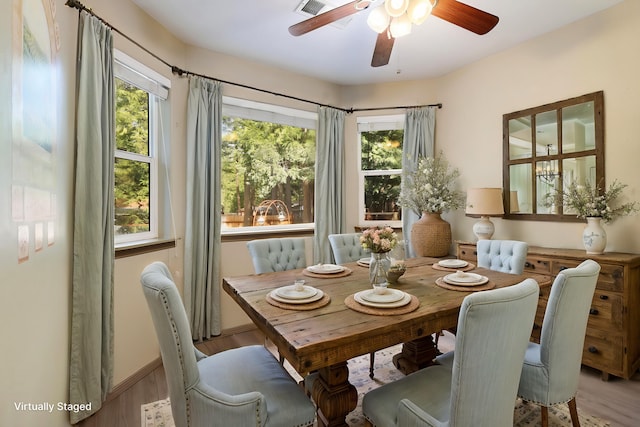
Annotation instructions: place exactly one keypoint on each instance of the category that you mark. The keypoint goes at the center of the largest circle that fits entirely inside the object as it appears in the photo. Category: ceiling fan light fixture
(396, 8)
(400, 26)
(378, 19)
(419, 10)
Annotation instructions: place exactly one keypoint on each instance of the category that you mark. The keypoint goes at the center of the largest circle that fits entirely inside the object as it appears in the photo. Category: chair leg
(573, 410)
(372, 360)
(544, 413)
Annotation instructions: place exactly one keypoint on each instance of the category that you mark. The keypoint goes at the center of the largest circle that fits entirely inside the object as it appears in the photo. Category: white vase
(594, 237)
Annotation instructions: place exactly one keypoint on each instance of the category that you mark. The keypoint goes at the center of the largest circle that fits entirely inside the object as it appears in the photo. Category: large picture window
(380, 168)
(268, 166)
(138, 132)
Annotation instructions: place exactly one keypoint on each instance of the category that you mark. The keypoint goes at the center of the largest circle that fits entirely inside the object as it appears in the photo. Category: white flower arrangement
(430, 187)
(589, 201)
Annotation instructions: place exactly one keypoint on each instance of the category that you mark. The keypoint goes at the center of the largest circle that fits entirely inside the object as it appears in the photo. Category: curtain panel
(91, 353)
(418, 141)
(203, 207)
(329, 192)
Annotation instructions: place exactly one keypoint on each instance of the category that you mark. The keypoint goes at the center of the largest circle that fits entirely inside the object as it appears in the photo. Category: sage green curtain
(329, 186)
(418, 141)
(203, 208)
(91, 354)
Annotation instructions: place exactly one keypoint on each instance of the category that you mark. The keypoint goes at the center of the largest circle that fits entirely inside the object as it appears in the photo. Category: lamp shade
(396, 8)
(400, 26)
(484, 202)
(378, 19)
(514, 206)
(419, 10)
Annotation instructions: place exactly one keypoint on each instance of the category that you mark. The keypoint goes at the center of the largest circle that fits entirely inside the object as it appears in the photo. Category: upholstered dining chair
(277, 254)
(347, 247)
(479, 389)
(244, 386)
(507, 256)
(551, 369)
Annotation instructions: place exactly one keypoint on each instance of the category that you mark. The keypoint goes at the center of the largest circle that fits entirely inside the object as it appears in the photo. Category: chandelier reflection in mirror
(547, 170)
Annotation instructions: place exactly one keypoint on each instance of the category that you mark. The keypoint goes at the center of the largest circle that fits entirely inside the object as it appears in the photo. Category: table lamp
(484, 203)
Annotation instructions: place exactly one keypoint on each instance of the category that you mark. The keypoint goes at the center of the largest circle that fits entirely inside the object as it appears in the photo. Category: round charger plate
(471, 279)
(453, 263)
(406, 299)
(274, 295)
(391, 295)
(364, 262)
(290, 292)
(325, 268)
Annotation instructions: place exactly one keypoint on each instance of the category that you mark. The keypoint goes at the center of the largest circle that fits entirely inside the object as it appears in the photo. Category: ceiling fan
(394, 18)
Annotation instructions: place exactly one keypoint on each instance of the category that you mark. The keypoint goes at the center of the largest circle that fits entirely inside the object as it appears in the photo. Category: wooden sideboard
(612, 341)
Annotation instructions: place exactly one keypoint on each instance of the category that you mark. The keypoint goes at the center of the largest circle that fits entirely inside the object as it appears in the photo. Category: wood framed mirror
(550, 146)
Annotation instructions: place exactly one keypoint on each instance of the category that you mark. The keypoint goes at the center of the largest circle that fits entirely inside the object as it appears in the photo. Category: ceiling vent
(310, 8)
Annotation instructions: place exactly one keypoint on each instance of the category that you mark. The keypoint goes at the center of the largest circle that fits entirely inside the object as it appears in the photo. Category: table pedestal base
(334, 395)
(416, 355)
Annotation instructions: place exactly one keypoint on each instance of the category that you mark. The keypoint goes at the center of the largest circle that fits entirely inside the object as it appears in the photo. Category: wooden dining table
(323, 339)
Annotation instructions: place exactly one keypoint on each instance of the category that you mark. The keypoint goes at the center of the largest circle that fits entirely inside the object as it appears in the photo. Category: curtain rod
(180, 72)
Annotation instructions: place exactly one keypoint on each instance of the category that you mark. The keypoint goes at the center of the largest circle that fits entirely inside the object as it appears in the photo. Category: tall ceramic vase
(431, 235)
(594, 237)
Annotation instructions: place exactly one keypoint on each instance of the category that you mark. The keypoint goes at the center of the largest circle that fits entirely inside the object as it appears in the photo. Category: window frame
(157, 86)
(369, 124)
(262, 111)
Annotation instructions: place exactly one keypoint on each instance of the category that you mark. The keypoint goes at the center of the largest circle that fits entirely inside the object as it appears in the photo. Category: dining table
(319, 337)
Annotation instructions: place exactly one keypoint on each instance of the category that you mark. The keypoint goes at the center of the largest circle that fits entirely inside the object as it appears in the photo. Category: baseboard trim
(130, 381)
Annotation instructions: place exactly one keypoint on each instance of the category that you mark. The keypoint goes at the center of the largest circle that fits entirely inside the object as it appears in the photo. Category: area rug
(158, 414)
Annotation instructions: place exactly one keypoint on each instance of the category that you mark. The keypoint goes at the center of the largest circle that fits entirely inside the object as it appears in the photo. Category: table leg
(415, 355)
(334, 395)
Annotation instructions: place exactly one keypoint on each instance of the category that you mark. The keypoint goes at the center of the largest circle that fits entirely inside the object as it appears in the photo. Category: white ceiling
(257, 30)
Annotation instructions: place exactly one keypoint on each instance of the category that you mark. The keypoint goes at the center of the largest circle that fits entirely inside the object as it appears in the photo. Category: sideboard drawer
(606, 311)
(537, 265)
(603, 351)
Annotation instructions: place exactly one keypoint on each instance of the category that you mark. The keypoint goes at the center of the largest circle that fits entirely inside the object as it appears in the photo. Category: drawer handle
(593, 349)
(594, 311)
(529, 265)
(604, 297)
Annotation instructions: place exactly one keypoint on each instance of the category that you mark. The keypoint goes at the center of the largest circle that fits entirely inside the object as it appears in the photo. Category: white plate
(364, 262)
(325, 269)
(453, 263)
(316, 297)
(392, 295)
(406, 299)
(471, 279)
(290, 292)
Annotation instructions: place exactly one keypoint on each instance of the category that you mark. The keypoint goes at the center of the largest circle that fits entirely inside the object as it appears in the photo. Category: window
(547, 148)
(139, 133)
(268, 166)
(380, 166)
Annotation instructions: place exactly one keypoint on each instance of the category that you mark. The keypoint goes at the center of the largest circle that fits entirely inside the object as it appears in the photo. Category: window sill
(250, 233)
(123, 250)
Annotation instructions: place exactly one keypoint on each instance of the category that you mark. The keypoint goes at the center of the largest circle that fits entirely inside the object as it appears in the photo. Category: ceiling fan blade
(328, 17)
(382, 51)
(465, 16)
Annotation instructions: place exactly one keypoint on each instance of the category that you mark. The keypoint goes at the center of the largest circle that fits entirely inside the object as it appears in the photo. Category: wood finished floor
(616, 400)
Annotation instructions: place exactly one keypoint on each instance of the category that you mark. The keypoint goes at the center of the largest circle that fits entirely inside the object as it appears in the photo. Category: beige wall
(598, 53)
